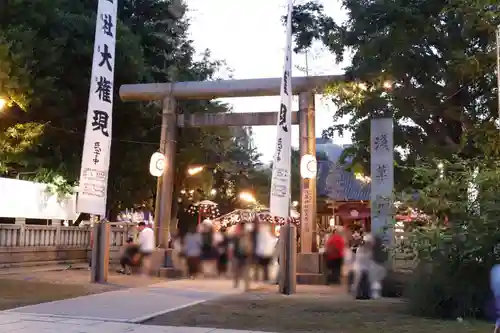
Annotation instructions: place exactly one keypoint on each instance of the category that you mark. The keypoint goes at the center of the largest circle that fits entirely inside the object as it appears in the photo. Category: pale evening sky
(250, 37)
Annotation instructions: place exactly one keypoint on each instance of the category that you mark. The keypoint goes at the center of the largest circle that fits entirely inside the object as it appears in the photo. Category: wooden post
(169, 132)
(100, 253)
(307, 186)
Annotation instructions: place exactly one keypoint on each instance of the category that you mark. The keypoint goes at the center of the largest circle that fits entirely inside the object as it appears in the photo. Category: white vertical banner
(280, 182)
(97, 143)
(382, 174)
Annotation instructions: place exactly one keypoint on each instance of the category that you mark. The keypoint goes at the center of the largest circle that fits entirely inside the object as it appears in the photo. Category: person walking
(177, 253)
(377, 268)
(363, 259)
(264, 250)
(191, 249)
(222, 243)
(208, 249)
(495, 289)
(241, 252)
(334, 251)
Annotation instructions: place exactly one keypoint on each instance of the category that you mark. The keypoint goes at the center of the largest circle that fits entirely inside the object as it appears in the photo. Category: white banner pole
(281, 177)
(92, 192)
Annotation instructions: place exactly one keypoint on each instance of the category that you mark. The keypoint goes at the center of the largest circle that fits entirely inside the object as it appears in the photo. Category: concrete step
(43, 268)
(42, 263)
(311, 279)
(170, 273)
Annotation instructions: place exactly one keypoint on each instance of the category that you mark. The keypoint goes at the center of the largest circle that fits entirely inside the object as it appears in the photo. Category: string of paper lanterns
(239, 216)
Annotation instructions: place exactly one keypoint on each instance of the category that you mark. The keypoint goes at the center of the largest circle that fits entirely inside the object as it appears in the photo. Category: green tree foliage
(427, 63)
(457, 249)
(235, 169)
(45, 60)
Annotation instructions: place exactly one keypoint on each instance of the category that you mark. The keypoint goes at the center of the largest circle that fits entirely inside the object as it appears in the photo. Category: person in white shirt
(264, 249)
(146, 242)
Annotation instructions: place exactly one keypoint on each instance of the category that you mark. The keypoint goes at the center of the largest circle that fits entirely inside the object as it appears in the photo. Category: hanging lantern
(157, 164)
(308, 166)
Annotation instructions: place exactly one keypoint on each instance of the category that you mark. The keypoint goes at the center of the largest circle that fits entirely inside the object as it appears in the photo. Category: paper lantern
(308, 166)
(157, 164)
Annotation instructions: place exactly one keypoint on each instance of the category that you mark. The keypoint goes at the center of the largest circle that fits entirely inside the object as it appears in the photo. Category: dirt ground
(28, 288)
(315, 309)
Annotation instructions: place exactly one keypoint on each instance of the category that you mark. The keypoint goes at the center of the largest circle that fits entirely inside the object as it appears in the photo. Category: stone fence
(30, 245)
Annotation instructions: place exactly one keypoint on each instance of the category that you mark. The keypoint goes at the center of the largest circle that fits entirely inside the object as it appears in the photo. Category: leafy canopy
(45, 60)
(427, 63)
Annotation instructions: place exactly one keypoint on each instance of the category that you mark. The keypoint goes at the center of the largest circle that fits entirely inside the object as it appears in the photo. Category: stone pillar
(287, 283)
(307, 186)
(163, 209)
(20, 220)
(158, 199)
(382, 174)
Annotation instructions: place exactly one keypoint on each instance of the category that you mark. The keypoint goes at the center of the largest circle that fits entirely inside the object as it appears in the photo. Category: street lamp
(195, 170)
(247, 197)
(3, 103)
(441, 169)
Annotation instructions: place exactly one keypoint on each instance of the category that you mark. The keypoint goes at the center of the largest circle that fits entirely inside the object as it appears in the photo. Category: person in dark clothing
(222, 248)
(128, 256)
(254, 259)
(209, 255)
(241, 245)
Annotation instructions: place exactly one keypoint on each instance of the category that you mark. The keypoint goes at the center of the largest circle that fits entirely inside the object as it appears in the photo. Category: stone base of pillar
(308, 263)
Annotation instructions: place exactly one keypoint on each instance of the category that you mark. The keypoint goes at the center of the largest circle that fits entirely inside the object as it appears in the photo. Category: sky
(250, 37)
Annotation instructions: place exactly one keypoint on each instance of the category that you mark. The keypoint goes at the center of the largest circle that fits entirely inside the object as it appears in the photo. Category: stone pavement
(21, 323)
(135, 304)
(117, 311)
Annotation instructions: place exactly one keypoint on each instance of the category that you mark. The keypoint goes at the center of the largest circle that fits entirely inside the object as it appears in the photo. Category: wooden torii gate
(169, 93)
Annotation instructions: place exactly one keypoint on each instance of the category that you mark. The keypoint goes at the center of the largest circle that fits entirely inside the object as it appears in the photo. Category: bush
(440, 292)
(457, 250)
(395, 284)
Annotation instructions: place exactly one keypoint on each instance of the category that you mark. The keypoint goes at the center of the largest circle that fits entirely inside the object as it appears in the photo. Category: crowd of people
(238, 252)
(361, 258)
(247, 251)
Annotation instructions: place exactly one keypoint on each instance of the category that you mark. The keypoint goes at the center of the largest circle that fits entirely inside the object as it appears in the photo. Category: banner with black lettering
(92, 190)
(280, 182)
